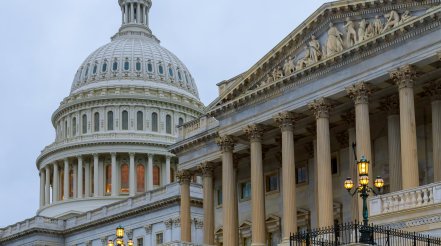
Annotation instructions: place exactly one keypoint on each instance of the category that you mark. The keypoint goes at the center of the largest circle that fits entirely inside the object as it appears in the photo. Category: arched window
(171, 72)
(95, 68)
(126, 65)
(179, 75)
(156, 176)
(125, 120)
(181, 121)
(161, 69)
(115, 66)
(74, 126)
(84, 124)
(96, 122)
(108, 179)
(110, 121)
(87, 71)
(150, 67)
(138, 66)
(154, 122)
(65, 129)
(168, 124)
(124, 178)
(140, 178)
(139, 121)
(104, 68)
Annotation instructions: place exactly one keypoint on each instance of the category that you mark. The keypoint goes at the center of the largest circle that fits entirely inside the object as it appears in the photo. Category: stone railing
(406, 199)
(197, 126)
(32, 223)
(177, 243)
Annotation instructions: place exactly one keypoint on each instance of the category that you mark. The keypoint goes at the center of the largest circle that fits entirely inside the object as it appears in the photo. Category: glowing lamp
(130, 242)
(110, 243)
(364, 180)
(120, 232)
(363, 166)
(379, 182)
(349, 184)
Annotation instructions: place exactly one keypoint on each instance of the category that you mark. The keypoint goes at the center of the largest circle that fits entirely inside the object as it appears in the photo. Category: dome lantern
(135, 16)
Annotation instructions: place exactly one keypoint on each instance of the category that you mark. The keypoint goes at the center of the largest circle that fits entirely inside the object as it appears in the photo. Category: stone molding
(177, 222)
(148, 229)
(390, 104)
(320, 107)
(184, 176)
(168, 224)
(226, 143)
(404, 77)
(359, 92)
(254, 132)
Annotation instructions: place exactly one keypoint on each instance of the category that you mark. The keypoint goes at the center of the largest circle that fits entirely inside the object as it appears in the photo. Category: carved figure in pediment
(406, 16)
(335, 43)
(392, 20)
(370, 31)
(378, 25)
(279, 73)
(361, 30)
(315, 53)
(289, 66)
(351, 35)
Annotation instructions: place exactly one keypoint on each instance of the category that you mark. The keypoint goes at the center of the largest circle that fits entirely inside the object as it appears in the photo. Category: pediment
(335, 31)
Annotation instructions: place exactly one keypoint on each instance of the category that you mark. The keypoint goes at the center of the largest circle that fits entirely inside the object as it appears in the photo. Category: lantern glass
(349, 184)
(130, 242)
(119, 242)
(379, 182)
(364, 180)
(363, 167)
(110, 243)
(120, 232)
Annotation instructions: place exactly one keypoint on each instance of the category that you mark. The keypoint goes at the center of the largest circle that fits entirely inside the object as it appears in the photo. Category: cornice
(367, 48)
(189, 143)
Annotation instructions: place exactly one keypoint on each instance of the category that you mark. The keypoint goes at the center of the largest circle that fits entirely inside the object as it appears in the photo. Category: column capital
(150, 156)
(95, 155)
(113, 154)
(391, 104)
(359, 92)
(66, 160)
(320, 107)
(404, 76)
(254, 132)
(79, 157)
(226, 143)
(167, 157)
(349, 118)
(206, 169)
(286, 120)
(433, 89)
(184, 176)
(132, 155)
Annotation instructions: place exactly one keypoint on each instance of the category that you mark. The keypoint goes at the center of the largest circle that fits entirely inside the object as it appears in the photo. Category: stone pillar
(321, 108)
(132, 175)
(42, 188)
(434, 91)
(126, 16)
(150, 172)
(184, 180)
(66, 179)
(56, 184)
(95, 175)
(87, 179)
(47, 187)
(167, 170)
(80, 177)
(75, 181)
(230, 226)
(285, 121)
(404, 78)
(138, 13)
(359, 93)
(132, 13)
(391, 105)
(114, 175)
(258, 227)
(143, 14)
(207, 171)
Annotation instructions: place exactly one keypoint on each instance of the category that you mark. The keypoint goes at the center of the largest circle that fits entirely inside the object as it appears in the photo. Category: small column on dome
(126, 14)
(132, 13)
(138, 13)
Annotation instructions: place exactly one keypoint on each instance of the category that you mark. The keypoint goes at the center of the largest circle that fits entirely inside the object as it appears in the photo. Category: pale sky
(43, 42)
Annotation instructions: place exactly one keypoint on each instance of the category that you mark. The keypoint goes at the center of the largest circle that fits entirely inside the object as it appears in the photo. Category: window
(84, 126)
(150, 67)
(302, 173)
(138, 66)
(140, 241)
(124, 178)
(272, 182)
(181, 121)
(96, 122)
(154, 122)
(110, 121)
(161, 69)
(104, 68)
(126, 65)
(171, 72)
(95, 68)
(65, 129)
(245, 190)
(115, 66)
(139, 121)
(334, 164)
(219, 196)
(140, 178)
(87, 71)
(125, 120)
(156, 176)
(159, 238)
(168, 124)
(179, 75)
(108, 179)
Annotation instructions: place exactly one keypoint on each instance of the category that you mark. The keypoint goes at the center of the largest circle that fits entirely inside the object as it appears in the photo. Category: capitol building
(268, 157)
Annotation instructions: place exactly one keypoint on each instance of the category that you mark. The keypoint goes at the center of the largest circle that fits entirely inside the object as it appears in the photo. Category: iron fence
(351, 233)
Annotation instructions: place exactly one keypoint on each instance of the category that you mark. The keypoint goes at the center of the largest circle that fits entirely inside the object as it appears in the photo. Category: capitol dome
(114, 128)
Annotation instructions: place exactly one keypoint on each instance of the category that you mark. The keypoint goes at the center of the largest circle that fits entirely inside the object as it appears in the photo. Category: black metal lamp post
(118, 241)
(363, 190)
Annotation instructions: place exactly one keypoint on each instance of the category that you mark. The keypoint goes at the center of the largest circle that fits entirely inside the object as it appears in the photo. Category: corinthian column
(47, 187)
(184, 180)
(56, 182)
(230, 228)
(66, 179)
(132, 178)
(114, 175)
(207, 171)
(321, 108)
(95, 175)
(80, 177)
(258, 228)
(286, 122)
(404, 78)
(434, 91)
(391, 105)
(42, 187)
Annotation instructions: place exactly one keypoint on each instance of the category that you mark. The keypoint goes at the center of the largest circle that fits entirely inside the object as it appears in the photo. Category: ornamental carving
(254, 132)
(320, 107)
(148, 229)
(285, 120)
(433, 89)
(404, 77)
(129, 233)
(206, 169)
(226, 143)
(198, 223)
(359, 92)
(177, 222)
(168, 224)
(390, 104)
(184, 176)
